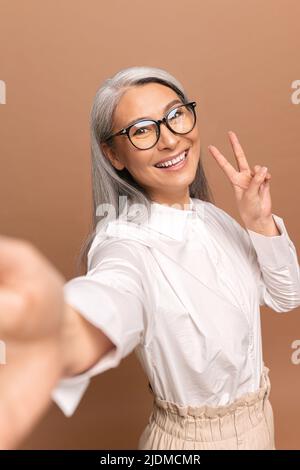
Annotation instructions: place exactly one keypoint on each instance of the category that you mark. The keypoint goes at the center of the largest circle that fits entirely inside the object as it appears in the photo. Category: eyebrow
(164, 111)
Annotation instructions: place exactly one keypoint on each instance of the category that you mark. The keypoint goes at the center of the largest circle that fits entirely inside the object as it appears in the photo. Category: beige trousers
(246, 423)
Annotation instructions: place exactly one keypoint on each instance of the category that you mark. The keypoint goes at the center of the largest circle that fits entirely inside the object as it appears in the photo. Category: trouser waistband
(247, 422)
(207, 411)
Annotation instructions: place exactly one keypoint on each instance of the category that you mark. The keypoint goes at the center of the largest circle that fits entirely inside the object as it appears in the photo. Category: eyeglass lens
(144, 133)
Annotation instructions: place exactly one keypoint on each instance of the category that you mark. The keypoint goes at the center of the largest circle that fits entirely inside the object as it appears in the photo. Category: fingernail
(263, 170)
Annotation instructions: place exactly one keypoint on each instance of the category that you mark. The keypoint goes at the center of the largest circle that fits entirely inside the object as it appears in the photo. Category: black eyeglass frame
(126, 130)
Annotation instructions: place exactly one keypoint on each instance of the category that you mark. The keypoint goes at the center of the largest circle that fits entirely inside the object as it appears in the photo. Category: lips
(169, 159)
(176, 166)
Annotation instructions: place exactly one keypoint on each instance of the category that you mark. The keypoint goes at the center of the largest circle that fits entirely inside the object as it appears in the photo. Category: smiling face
(171, 185)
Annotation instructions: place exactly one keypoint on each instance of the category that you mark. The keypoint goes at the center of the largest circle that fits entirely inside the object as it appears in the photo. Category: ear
(111, 155)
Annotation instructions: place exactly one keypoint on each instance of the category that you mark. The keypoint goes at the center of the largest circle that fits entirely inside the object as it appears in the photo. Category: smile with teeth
(172, 162)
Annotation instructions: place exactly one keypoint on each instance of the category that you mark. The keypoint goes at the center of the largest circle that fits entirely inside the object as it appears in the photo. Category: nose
(167, 138)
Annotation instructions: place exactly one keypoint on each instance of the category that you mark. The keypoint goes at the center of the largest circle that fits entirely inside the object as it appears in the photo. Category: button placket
(242, 304)
(224, 278)
(233, 290)
(251, 339)
(200, 227)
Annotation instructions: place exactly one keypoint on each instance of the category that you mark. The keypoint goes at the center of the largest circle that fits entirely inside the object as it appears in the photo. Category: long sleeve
(111, 297)
(276, 268)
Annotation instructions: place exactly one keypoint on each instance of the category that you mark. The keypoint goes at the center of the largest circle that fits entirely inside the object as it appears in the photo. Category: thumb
(264, 188)
(256, 182)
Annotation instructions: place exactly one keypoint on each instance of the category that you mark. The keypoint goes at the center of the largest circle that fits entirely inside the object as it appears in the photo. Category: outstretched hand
(31, 308)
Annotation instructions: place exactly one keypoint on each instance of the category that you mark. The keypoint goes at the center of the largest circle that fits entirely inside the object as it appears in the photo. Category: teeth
(172, 162)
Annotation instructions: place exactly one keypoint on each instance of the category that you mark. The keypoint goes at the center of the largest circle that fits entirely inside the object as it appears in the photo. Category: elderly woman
(169, 275)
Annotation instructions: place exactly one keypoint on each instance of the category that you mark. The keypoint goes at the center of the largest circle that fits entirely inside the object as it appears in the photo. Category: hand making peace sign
(252, 188)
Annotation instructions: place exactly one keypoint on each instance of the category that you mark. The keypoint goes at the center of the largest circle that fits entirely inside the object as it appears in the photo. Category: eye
(175, 113)
(138, 131)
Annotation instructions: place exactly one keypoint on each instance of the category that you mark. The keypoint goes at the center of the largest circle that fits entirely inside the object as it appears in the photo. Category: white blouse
(184, 292)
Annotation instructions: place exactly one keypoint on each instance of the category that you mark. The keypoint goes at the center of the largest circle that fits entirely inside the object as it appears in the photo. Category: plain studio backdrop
(239, 60)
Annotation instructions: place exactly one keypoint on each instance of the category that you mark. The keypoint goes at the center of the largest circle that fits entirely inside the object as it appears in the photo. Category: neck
(178, 201)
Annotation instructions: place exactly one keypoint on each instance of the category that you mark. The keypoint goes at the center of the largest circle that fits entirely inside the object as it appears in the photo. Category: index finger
(228, 169)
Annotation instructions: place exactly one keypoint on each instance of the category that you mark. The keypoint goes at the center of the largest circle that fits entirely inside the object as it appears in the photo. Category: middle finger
(238, 152)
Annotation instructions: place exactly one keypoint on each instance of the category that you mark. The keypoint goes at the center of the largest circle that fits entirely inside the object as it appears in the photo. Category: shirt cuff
(274, 252)
(68, 393)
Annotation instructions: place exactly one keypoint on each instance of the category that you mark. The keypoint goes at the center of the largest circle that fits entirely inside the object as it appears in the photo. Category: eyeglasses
(144, 134)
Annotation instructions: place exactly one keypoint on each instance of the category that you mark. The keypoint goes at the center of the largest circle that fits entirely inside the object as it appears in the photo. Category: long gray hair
(110, 184)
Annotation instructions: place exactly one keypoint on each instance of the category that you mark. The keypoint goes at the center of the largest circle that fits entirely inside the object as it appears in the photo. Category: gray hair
(108, 183)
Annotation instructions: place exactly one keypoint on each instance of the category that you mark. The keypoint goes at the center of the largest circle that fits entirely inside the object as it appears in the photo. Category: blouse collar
(171, 221)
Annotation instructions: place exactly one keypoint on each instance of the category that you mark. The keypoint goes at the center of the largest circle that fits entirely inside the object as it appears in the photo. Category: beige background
(237, 59)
